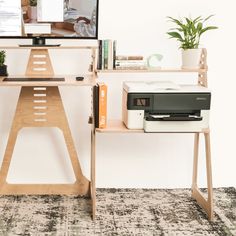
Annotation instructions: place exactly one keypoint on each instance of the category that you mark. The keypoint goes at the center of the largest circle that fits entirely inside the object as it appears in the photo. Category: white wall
(135, 160)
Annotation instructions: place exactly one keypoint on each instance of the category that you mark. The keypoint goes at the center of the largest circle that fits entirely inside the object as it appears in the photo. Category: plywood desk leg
(81, 181)
(93, 172)
(42, 107)
(206, 204)
(8, 156)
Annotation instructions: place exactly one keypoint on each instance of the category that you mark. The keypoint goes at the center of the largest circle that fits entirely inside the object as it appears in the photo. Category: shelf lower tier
(117, 126)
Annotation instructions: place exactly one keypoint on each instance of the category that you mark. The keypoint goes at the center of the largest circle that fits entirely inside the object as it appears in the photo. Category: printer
(160, 106)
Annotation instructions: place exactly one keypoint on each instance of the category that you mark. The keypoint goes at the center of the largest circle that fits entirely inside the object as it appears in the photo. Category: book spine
(130, 62)
(96, 106)
(110, 55)
(131, 67)
(114, 53)
(105, 54)
(121, 57)
(100, 59)
(102, 105)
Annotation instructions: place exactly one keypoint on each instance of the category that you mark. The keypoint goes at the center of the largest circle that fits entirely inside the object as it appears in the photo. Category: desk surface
(70, 80)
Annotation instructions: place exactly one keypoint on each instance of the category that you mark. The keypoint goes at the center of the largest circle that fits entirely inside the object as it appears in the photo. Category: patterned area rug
(119, 212)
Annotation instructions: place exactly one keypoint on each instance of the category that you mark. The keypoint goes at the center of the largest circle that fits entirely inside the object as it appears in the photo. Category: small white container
(191, 58)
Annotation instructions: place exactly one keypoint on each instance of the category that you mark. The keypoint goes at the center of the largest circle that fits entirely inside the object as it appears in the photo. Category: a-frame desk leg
(205, 203)
(42, 107)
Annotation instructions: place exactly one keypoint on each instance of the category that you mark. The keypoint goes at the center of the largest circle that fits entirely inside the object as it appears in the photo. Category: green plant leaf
(207, 18)
(175, 35)
(199, 27)
(199, 18)
(207, 28)
(2, 57)
(179, 23)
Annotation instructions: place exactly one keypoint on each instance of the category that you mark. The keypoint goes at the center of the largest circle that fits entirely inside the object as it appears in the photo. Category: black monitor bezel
(55, 37)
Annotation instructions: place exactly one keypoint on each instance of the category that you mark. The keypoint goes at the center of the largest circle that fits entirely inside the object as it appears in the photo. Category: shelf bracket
(202, 76)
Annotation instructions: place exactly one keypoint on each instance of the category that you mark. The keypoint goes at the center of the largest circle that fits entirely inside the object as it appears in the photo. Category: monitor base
(39, 42)
(36, 45)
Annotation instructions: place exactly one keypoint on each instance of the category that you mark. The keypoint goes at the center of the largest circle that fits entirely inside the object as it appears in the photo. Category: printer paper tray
(174, 118)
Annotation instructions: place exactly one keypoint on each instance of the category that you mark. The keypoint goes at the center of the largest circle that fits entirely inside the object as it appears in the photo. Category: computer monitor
(43, 19)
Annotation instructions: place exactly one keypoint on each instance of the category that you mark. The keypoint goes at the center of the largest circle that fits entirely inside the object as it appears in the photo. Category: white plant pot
(191, 58)
(33, 13)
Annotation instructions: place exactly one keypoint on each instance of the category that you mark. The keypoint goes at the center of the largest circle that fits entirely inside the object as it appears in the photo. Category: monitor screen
(49, 18)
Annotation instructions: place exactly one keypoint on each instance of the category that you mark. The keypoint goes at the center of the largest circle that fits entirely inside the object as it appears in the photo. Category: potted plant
(32, 12)
(188, 32)
(3, 67)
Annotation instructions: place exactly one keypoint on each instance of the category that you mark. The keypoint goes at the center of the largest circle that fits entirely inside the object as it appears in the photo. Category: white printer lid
(161, 86)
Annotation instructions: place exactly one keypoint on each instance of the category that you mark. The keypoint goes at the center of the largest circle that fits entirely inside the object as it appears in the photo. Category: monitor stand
(39, 42)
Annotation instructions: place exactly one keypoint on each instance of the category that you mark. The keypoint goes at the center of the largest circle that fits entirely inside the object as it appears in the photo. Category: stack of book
(132, 62)
(106, 54)
(108, 59)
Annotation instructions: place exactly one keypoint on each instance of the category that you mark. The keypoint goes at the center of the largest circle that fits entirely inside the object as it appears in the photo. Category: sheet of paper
(50, 10)
(10, 18)
(42, 28)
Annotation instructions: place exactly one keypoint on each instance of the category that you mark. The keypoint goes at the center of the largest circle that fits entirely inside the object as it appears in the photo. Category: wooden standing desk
(82, 185)
(40, 105)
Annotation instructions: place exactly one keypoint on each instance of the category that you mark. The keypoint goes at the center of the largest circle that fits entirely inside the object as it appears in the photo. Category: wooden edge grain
(69, 81)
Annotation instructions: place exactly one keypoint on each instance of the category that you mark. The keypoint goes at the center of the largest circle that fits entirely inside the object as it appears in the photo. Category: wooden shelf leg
(195, 160)
(206, 204)
(93, 173)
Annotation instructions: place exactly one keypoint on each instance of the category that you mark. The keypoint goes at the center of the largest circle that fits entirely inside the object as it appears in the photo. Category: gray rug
(119, 212)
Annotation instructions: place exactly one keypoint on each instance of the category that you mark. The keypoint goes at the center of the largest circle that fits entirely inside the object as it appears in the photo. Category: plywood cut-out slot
(40, 88)
(39, 55)
(51, 115)
(40, 95)
(40, 113)
(39, 63)
(40, 101)
(40, 107)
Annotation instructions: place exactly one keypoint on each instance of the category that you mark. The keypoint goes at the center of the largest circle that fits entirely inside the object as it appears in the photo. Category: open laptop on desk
(33, 79)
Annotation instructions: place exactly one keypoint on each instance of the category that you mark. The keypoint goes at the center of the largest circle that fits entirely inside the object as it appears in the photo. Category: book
(130, 62)
(95, 106)
(129, 57)
(132, 67)
(100, 56)
(105, 49)
(114, 54)
(100, 105)
(110, 55)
